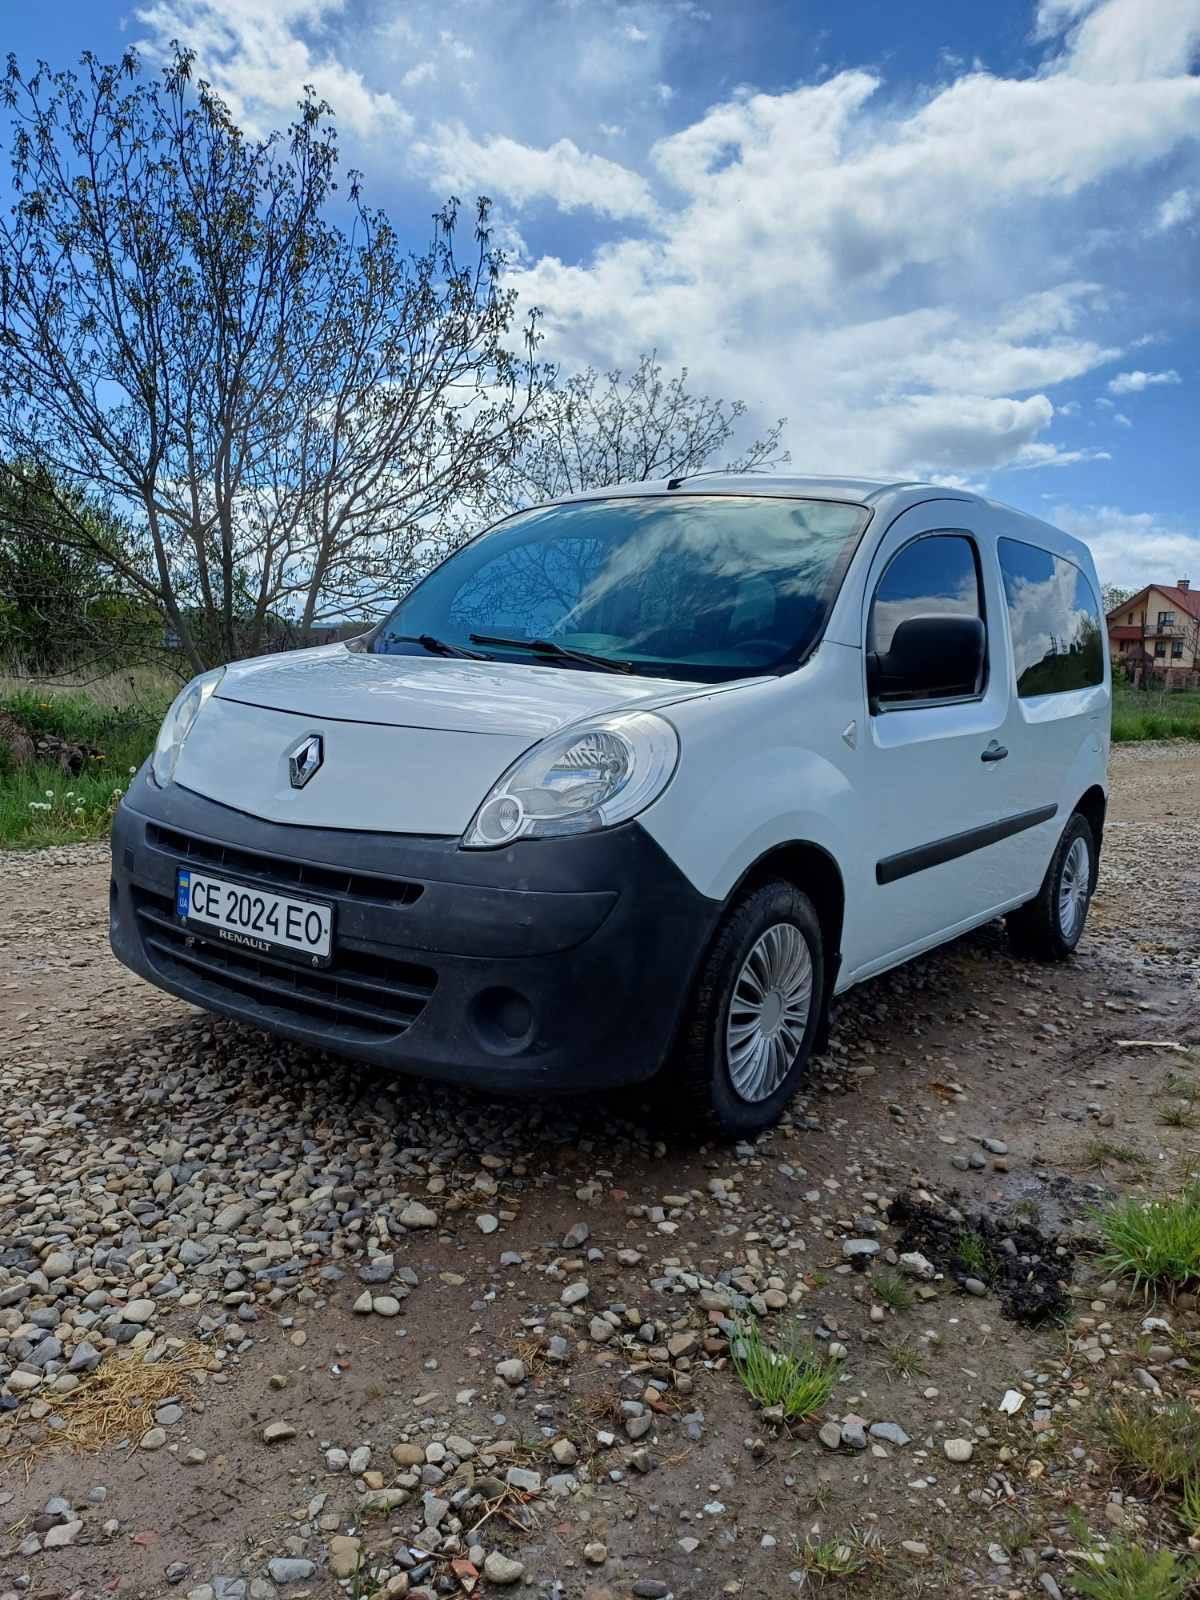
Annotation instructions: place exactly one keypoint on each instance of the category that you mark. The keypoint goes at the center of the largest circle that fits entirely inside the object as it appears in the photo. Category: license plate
(254, 919)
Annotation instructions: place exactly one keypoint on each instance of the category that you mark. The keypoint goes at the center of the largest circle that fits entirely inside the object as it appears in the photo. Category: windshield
(699, 587)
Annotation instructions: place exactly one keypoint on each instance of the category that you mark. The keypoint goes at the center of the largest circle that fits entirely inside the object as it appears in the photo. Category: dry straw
(116, 1402)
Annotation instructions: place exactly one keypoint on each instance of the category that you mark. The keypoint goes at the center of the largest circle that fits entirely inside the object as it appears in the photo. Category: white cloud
(563, 173)
(858, 265)
(909, 278)
(1133, 548)
(1134, 382)
(254, 54)
(1180, 207)
(1112, 41)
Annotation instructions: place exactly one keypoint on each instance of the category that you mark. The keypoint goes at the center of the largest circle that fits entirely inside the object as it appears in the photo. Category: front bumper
(555, 964)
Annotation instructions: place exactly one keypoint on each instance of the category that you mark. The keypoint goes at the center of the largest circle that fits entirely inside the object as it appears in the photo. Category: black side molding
(954, 845)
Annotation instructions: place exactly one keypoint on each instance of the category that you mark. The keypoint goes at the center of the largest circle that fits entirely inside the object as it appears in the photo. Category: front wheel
(754, 1013)
(1049, 927)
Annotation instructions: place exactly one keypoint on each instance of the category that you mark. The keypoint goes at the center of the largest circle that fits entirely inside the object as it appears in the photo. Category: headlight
(177, 724)
(590, 776)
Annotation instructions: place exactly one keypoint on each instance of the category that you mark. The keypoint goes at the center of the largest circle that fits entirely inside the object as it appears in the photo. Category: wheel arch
(1092, 805)
(812, 869)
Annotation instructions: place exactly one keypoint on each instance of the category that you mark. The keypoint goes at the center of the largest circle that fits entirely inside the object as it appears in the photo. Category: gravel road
(431, 1341)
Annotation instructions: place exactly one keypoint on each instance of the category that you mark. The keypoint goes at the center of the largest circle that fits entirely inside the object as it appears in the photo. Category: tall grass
(1154, 714)
(1154, 1242)
(42, 805)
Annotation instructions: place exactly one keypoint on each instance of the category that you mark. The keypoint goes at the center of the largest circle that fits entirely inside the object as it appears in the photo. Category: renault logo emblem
(305, 759)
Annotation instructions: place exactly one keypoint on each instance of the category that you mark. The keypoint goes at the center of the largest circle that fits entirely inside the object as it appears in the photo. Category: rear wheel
(1049, 927)
(754, 1013)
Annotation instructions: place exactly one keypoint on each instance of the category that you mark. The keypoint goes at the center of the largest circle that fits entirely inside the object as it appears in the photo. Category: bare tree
(290, 416)
(598, 428)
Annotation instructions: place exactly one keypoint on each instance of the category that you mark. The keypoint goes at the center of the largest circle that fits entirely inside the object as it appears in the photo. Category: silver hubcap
(769, 1012)
(1073, 889)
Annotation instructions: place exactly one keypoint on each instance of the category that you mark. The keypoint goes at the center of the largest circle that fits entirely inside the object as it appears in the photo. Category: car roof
(888, 498)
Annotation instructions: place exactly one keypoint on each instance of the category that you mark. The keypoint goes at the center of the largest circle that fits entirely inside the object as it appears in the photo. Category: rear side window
(1054, 620)
(937, 575)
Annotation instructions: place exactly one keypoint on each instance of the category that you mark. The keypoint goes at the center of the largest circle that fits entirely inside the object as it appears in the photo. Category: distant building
(1156, 635)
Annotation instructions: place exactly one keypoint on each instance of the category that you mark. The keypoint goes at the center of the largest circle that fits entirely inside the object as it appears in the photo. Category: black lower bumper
(555, 964)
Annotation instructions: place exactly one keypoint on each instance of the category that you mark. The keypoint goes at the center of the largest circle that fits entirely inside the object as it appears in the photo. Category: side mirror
(931, 658)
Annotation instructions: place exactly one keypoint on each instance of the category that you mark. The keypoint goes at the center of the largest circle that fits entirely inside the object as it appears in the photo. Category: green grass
(41, 805)
(1154, 1242)
(1159, 1444)
(797, 1377)
(1098, 1152)
(840, 1555)
(1138, 714)
(904, 1358)
(973, 1252)
(1188, 1509)
(891, 1290)
(1121, 1571)
(1179, 1114)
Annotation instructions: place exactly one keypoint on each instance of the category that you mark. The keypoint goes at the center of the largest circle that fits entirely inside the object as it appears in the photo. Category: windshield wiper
(548, 647)
(438, 647)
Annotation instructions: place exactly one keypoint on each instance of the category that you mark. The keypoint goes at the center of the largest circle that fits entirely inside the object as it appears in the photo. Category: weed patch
(1157, 1444)
(840, 1555)
(1154, 1242)
(891, 1290)
(796, 1378)
(42, 805)
(1121, 1571)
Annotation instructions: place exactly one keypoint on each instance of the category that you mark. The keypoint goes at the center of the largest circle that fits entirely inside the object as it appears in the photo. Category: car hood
(438, 692)
(408, 745)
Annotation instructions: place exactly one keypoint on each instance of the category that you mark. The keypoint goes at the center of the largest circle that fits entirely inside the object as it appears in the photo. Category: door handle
(994, 752)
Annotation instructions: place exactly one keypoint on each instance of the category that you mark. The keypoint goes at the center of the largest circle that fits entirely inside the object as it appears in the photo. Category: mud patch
(1029, 1271)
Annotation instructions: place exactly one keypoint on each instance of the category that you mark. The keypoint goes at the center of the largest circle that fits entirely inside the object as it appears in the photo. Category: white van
(636, 782)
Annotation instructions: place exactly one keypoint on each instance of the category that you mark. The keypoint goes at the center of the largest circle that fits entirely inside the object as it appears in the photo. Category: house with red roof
(1155, 634)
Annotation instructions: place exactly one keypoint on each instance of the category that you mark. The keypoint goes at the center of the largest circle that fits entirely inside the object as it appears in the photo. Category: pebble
(860, 1249)
(502, 1569)
(290, 1569)
(889, 1433)
(278, 1432)
(958, 1449)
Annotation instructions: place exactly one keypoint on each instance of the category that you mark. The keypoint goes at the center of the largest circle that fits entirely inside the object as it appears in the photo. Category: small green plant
(1121, 1571)
(797, 1378)
(904, 1358)
(840, 1555)
(1179, 1114)
(1154, 1242)
(1159, 1444)
(1099, 1152)
(891, 1290)
(972, 1250)
(1188, 1509)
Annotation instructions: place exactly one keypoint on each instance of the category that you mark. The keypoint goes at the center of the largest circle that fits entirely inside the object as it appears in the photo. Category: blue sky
(947, 240)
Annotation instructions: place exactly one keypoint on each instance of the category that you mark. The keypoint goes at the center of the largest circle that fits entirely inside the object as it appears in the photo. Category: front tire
(1050, 926)
(753, 1015)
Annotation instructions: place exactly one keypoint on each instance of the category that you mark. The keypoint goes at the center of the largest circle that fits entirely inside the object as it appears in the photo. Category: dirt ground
(248, 1194)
